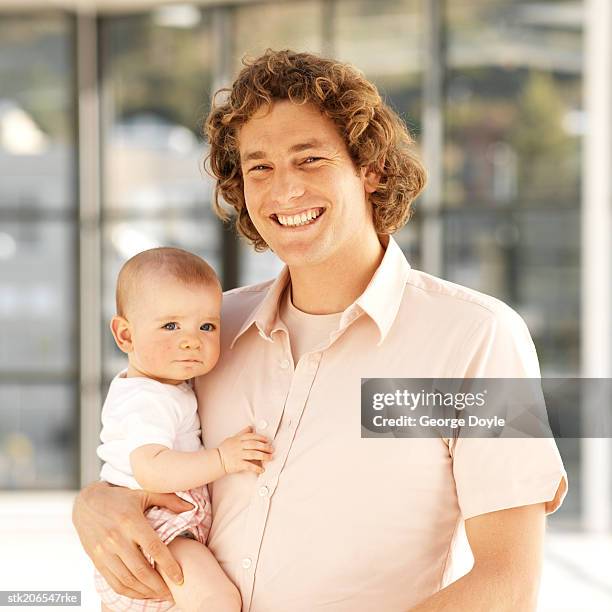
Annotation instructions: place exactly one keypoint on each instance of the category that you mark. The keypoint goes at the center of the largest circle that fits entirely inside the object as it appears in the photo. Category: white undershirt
(306, 331)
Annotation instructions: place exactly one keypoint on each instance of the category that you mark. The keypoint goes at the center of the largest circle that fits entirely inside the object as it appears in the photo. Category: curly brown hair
(374, 135)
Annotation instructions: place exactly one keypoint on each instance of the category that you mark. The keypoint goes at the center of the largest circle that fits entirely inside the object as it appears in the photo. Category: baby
(167, 321)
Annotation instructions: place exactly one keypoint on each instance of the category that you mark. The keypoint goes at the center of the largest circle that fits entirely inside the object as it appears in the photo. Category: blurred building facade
(101, 148)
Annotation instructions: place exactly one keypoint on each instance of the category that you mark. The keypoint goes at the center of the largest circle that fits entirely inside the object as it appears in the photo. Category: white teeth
(301, 219)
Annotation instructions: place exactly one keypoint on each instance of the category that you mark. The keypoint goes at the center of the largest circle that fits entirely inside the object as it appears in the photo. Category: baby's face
(175, 329)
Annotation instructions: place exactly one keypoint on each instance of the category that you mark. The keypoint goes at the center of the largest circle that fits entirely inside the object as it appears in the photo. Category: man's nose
(285, 187)
(190, 343)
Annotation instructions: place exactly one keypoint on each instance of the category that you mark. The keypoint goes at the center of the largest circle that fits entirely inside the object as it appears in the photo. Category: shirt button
(263, 491)
(262, 424)
(284, 364)
(246, 563)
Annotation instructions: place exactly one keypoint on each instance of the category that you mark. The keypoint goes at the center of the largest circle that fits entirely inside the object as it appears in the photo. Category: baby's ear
(122, 333)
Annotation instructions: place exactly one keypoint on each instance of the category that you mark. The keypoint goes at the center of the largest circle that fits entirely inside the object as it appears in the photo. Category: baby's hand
(245, 451)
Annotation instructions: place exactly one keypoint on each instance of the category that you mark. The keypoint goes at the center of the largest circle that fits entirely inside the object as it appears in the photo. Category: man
(318, 169)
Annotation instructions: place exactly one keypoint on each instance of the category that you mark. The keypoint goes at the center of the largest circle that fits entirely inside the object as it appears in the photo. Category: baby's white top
(140, 411)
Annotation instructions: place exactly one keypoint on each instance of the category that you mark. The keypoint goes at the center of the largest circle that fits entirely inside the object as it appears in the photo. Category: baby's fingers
(257, 445)
(255, 455)
(251, 467)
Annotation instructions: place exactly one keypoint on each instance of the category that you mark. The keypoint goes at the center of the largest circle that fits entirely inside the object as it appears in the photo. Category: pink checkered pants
(168, 525)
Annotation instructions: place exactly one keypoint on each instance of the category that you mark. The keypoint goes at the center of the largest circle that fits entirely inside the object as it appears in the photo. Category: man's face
(302, 191)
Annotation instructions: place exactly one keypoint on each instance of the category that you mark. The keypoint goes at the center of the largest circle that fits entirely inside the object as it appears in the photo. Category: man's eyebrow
(310, 144)
(296, 148)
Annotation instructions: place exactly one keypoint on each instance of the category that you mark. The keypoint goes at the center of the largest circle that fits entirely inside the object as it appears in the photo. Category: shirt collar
(265, 316)
(383, 295)
(380, 300)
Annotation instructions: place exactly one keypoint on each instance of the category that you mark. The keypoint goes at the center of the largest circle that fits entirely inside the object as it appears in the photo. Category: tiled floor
(40, 551)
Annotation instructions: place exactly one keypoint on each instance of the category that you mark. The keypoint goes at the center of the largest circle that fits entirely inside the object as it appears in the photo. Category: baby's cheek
(213, 355)
(168, 349)
(158, 352)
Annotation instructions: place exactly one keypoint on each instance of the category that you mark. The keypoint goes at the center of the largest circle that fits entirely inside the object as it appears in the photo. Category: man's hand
(245, 451)
(111, 525)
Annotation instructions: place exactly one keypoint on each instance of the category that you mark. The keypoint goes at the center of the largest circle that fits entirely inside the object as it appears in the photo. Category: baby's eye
(170, 326)
(207, 327)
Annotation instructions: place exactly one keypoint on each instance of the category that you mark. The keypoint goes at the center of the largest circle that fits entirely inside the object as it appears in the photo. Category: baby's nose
(189, 343)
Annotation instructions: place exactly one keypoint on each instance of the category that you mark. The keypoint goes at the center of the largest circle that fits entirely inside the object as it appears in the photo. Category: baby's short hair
(181, 265)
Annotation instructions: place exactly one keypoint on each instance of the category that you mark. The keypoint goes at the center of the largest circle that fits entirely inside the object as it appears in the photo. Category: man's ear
(122, 333)
(371, 179)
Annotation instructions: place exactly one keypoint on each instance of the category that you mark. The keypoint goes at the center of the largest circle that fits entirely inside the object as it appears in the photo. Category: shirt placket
(294, 385)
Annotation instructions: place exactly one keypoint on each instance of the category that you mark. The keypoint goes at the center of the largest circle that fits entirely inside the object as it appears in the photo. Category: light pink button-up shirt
(342, 523)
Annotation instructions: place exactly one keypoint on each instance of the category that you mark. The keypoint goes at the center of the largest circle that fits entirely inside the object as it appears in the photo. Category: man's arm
(111, 525)
(507, 548)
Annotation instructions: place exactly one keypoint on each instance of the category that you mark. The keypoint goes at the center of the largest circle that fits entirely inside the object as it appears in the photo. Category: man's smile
(308, 216)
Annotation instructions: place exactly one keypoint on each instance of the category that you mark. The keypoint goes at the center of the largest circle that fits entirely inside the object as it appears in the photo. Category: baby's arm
(162, 470)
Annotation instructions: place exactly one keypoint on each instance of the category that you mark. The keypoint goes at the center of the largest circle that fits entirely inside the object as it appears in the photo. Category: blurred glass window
(280, 25)
(39, 360)
(39, 435)
(38, 298)
(37, 149)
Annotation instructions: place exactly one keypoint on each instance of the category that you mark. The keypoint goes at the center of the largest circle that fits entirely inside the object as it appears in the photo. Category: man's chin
(300, 255)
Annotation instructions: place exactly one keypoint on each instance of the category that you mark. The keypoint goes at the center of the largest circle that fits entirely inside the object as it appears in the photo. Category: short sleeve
(497, 473)
(148, 418)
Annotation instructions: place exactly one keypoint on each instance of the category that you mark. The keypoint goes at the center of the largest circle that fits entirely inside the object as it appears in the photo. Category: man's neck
(333, 286)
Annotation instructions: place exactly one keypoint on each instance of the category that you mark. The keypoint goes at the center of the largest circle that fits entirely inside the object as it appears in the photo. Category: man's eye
(311, 159)
(170, 326)
(258, 167)
(207, 327)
